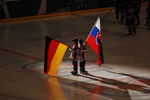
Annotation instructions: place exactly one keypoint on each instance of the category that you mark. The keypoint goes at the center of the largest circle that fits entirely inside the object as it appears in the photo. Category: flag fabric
(54, 52)
(94, 40)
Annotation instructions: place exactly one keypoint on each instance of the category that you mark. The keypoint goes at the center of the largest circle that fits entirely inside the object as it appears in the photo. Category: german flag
(54, 52)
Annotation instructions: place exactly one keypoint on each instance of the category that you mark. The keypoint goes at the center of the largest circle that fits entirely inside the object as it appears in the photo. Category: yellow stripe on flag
(57, 59)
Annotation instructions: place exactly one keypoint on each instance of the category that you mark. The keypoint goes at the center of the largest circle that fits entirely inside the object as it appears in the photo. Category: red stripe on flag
(51, 52)
(92, 42)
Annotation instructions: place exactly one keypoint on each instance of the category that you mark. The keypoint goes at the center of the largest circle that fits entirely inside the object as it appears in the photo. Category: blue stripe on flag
(95, 31)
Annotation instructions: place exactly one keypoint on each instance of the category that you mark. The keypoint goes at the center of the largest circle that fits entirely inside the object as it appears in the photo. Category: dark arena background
(22, 8)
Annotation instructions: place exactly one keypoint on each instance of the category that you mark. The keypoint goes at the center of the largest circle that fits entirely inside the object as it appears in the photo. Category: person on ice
(82, 56)
(78, 54)
(74, 53)
(119, 10)
(148, 16)
(130, 15)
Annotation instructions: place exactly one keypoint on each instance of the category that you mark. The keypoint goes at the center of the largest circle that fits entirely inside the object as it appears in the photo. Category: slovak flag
(94, 40)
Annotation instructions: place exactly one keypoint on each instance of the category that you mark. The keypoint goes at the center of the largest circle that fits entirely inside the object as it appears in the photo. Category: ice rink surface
(125, 75)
